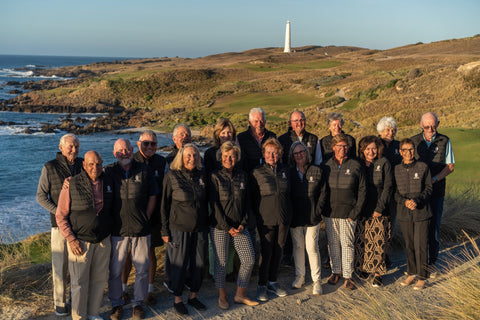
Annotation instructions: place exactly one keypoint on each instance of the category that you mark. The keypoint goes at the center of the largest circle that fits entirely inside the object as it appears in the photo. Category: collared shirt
(317, 157)
(449, 157)
(63, 208)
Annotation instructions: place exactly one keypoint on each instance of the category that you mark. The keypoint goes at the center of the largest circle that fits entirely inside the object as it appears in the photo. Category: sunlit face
(92, 164)
(335, 127)
(70, 149)
(123, 152)
(257, 123)
(429, 126)
(370, 152)
(229, 159)
(300, 155)
(225, 135)
(190, 158)
(271, 155)
(340, 150)
(181, 137)
(407, 151)
(388, 134)
(297, 122)
(147, 145)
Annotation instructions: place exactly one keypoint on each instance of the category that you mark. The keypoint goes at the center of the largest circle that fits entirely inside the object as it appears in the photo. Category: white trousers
(306, 238)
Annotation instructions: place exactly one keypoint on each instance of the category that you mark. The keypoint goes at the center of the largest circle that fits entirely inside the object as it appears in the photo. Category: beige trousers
(59, 267)
(89, 275)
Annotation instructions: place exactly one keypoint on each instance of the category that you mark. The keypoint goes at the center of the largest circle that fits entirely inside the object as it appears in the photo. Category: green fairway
(466, 148)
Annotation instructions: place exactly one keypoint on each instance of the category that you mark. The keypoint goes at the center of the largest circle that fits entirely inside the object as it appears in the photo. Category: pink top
(63, 207)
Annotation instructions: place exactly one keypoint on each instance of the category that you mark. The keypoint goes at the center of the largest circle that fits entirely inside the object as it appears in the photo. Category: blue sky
(157, 28)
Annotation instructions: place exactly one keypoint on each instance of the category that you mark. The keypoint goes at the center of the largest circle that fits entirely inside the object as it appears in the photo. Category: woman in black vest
(373, 226)
(185, 224)
(222, 132)
(414, 187)
(229, 202)
(307, 191)
(270, 192)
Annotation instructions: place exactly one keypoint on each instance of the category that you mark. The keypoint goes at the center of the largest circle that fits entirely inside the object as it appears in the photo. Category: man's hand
(410, 204)
(166, 239)
(376, 214)
(76, 247)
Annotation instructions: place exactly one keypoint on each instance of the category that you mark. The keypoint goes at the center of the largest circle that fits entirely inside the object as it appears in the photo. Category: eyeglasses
(432, 128)
(409, 150)
(149, 143)
(299, 153)
(344, 146)
(298, 120)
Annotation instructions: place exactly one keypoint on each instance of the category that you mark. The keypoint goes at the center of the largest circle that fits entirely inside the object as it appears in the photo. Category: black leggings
(272, 242)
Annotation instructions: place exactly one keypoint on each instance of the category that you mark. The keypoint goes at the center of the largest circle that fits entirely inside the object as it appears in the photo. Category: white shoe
(298, 283)
(317, 288)
(94, 318)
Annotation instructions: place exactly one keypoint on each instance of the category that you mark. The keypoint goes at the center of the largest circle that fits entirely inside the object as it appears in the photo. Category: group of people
(104, 219)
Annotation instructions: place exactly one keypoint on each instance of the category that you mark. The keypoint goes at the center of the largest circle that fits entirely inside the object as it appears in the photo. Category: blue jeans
(436, 206)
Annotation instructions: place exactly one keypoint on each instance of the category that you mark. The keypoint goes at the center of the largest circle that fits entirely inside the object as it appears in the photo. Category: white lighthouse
(287, 38)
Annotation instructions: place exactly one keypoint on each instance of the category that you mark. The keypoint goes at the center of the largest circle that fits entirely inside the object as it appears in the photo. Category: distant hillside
(363, 84)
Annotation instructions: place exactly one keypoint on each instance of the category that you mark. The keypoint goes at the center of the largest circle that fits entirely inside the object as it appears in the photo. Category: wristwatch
(435, 179)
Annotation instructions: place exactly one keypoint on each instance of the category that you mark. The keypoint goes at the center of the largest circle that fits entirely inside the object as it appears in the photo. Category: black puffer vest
(58, 170)
(270, 193)
(287, 139)
(327, 150)
(86, 224)
(380, 187)
(434, 157)
(413, 182)
(252, 152)
(130, 200)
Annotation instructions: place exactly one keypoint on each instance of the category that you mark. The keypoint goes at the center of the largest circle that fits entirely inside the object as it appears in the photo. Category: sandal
(407, 281)
(349, 285)
(333, 279)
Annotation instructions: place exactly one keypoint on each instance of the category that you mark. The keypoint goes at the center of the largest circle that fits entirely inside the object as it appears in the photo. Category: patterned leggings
(341, 237)
(243, 246)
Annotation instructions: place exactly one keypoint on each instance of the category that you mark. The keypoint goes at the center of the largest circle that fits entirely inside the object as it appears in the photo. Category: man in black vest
(147, 148)
(54, 172)
(435, 150)
(181, 135)
(134, 198)
(84, 218)
(296, 132)
(252, 139)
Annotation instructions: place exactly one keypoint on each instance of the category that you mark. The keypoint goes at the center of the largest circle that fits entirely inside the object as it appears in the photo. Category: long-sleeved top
(346, 189)
(270, 194)
(310, 140)
(184, 201)
(229, 199)
(308, 192)
(327, 150)
(413, 181)
(380, 185)
(391, 151)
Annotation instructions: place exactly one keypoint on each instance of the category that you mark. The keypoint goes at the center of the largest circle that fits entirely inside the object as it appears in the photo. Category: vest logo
(378, 168)
(416, 177)
(311, 179)
(309, 145)
(284, 176)
(156, 173)
(242, 186)
(200, 181)
(396, 151)
(137, 178)
(348, 172)
(109, 189)
(436, 149)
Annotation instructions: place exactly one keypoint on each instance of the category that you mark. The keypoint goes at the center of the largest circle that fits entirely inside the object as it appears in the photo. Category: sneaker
(94, 318)
(138, 313)
(180, 308)
(377, 282)
(167, 285)
(150, 300)
(117, 313)
(197, 304)
(298, 283)
(317, 288)
(62, 311)
(125, 297)
(274, 288)
(262, 293)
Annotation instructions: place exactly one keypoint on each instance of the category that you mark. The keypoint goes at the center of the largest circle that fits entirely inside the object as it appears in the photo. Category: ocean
(23, 155)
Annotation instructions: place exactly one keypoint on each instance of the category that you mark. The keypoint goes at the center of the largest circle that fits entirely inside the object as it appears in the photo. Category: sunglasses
(149, 143)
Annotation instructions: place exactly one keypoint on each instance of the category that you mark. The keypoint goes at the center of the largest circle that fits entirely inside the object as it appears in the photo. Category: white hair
(256, 110)
(430, 113)
(63, 139)
(181, 126)
(386, 122)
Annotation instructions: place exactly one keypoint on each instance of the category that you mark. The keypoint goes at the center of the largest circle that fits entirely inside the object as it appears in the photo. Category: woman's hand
(166, 239)
(376, 214)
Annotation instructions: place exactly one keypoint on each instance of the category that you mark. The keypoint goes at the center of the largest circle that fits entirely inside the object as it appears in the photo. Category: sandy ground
(300, 303)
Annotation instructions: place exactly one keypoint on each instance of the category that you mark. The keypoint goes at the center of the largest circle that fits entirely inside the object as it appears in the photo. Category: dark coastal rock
(13, 83)
(48, 128)
(7, 123)
(28, 130)
(15, 91)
